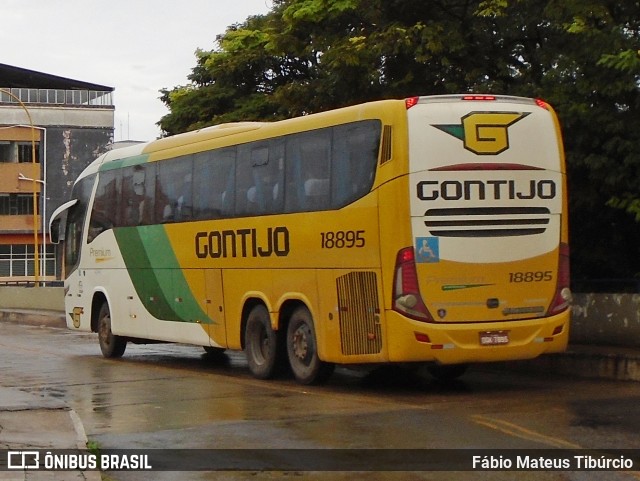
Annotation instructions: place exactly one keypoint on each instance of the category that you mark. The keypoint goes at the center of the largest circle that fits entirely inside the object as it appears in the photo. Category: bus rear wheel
(112, 346)
(302, 350)
(260, 343)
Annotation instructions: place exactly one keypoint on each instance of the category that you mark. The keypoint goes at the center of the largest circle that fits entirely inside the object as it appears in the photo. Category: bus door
(197, 297)
(215, 307)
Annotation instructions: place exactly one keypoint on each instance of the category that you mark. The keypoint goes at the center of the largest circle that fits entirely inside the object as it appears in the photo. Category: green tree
(583, 56)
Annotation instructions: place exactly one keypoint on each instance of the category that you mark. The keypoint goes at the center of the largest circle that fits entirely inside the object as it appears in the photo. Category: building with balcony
(51, 128)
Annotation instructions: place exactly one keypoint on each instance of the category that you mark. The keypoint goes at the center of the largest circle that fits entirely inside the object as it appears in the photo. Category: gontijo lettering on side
(242, 243)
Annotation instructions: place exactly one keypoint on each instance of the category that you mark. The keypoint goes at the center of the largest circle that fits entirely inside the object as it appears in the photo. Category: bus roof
(207, 133)
(215, 132)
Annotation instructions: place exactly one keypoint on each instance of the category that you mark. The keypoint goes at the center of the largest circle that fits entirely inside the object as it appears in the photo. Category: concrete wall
(38, 298)
(606, 319)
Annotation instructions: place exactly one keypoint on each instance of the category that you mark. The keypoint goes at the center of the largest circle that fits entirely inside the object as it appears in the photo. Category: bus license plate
(494, 338)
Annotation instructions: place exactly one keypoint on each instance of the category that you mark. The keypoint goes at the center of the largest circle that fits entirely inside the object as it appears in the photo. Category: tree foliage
(583, 56)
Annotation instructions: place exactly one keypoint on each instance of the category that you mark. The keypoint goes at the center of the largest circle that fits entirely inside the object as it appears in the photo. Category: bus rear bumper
(449, 343)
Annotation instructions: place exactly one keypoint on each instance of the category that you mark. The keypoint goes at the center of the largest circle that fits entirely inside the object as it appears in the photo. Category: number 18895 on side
(342, 239)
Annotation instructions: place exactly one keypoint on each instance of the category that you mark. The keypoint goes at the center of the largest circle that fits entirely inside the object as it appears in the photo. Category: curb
(81, 443)
(595, 362)
(34, 318)
(81, 434)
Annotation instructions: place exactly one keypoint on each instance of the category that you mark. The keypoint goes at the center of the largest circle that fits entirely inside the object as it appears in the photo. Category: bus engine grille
(487, 221)
(359, 313)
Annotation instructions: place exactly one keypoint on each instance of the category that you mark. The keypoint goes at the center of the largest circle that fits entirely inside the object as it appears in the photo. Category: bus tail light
(542, 103)
(411, 101)
(479, 97)
(562, 296)
(406, 290)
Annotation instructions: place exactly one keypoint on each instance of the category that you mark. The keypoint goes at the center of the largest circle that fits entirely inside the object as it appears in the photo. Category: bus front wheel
(260, 343)
(302, 350)
(112, 346)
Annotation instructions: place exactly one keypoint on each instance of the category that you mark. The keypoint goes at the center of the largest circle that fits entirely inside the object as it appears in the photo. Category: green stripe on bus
(156, 274)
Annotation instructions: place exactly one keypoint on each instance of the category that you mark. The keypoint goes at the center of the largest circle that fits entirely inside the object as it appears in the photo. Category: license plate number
(494, 338)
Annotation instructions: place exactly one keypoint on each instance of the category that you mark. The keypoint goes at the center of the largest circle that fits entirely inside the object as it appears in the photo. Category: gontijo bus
(431, 229)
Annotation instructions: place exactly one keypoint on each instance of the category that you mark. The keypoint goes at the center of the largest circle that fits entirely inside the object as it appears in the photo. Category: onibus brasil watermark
(327, 459)
(71, 461)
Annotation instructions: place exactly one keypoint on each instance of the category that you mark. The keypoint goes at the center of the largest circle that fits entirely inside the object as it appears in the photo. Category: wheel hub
(300, 344)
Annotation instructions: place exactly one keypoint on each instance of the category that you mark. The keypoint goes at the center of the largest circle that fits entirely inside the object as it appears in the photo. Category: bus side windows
(244, 189)
(332, 167)
(354, 159)
(259, 178)
(124, 198)
(174, 190)
(267, 168)
(203, 194)
(214, 183)
(138, 195)
(308, 171)
(320, 169)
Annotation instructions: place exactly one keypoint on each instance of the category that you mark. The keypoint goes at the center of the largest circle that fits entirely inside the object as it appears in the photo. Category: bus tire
(112, 346)
(260, 343)
(302, 350)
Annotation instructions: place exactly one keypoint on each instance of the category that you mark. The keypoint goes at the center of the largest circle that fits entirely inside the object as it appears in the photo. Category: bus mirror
(57, 221)
(54, 231)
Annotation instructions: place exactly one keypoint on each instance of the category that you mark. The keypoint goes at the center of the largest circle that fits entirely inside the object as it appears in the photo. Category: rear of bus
(486, 274)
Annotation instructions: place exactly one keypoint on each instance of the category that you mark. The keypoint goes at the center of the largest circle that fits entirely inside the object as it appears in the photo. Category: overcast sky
(136, 46)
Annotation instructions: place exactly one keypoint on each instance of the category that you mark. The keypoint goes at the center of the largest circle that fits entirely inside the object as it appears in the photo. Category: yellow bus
(426, 230)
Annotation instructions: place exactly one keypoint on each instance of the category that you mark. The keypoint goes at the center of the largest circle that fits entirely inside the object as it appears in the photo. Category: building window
(101, 98)
(12, 152)
(16, 260)
(25, 152)
(48, 261)
(5, 151)
(16, 204)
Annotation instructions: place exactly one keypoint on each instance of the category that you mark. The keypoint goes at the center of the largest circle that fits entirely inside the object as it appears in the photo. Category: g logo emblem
(75, 316)
(484, 133)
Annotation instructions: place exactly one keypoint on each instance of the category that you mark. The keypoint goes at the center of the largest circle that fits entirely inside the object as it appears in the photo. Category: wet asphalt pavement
(171, 396)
